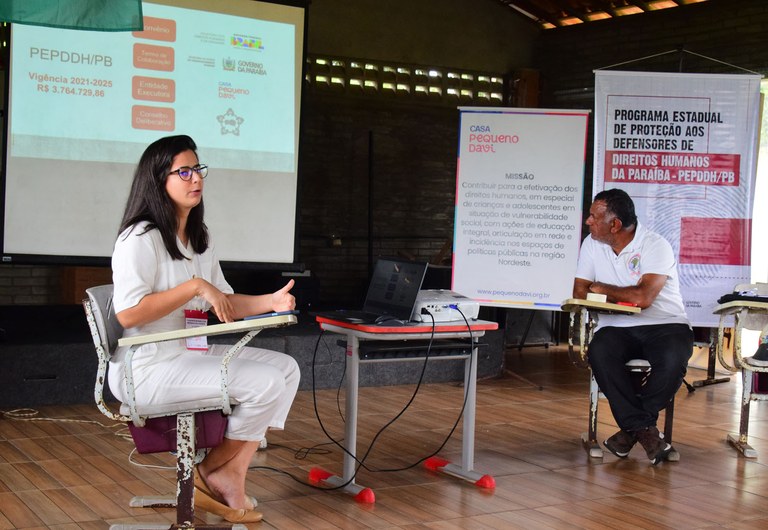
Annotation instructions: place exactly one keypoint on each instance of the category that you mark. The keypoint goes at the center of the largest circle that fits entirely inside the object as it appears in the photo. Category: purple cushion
(159, 434)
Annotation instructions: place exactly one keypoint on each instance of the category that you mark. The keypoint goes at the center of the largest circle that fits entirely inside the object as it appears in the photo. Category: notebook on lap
(391, 295)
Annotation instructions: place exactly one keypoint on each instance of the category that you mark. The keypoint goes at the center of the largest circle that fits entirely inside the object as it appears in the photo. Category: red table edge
(425, 327)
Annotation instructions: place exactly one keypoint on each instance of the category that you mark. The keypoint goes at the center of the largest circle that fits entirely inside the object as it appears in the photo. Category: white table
(355, 333)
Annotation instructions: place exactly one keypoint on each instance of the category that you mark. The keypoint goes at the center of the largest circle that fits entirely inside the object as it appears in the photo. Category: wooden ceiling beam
(606, 7)
(579, 12)
(642, 5)
(533, 9)
(552, 12)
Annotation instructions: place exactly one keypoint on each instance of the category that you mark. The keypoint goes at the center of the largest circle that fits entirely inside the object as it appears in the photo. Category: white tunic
(647, 253)
(263, 383)
(140, 266)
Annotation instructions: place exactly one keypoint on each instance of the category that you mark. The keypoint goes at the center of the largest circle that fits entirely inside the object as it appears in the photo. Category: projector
(444, 306)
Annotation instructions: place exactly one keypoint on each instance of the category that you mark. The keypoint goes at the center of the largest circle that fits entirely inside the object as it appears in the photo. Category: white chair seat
(171, 409)
(637, 363)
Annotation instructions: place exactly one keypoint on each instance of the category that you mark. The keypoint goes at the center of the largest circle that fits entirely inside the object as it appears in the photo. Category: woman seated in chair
(165, 266)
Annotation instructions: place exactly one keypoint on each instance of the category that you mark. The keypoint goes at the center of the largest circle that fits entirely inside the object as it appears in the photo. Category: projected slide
(83, 105)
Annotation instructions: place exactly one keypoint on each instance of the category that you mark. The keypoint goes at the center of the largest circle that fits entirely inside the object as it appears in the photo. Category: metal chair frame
(746, 314)
(106, 333)
(581, 329)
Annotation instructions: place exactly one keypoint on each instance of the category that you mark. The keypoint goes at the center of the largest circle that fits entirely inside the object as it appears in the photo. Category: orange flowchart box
(153, 118)
(152, 57)
(153, 89)
(157, 29)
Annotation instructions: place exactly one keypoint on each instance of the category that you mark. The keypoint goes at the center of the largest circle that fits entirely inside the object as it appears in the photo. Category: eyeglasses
(185, 172)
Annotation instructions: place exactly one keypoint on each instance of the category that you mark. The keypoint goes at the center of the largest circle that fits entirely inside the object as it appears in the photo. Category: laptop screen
(394, 287)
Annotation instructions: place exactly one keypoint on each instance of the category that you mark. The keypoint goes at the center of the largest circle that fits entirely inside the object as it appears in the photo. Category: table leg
(466, 470)
(711, 364)
(347, 481)
(350, 433)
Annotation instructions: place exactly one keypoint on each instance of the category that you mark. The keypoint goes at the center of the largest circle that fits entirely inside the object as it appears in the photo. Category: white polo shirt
(141, 265)
(647, 253)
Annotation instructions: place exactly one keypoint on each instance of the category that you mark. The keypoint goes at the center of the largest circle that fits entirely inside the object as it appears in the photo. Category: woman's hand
(246, 304)
(220, 303)
(282, 300)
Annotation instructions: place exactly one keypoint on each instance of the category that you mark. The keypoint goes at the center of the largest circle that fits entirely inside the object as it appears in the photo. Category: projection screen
(81, 107)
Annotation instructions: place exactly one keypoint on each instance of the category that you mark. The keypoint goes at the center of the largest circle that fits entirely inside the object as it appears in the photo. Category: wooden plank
(59, 474)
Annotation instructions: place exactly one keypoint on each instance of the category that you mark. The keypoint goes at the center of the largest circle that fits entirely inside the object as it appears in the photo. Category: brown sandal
(202, 485)
(232, 515)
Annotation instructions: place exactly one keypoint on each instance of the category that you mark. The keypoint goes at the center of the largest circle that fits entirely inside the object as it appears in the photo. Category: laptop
(391, 295)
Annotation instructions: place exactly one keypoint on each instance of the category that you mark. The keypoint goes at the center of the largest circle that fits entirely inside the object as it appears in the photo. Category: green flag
(95, 15)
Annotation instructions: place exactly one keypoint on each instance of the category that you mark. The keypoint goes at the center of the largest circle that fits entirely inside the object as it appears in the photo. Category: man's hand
(642, 294)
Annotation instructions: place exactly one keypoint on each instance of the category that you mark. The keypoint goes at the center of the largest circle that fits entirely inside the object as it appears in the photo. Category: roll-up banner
(684, 147)
(519, 191)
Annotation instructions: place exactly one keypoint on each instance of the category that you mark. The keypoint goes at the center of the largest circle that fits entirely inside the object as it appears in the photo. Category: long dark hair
(148, 200)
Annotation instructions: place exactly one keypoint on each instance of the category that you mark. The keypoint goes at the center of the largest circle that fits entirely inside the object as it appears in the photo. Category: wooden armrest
(213, 329)
(575, 304)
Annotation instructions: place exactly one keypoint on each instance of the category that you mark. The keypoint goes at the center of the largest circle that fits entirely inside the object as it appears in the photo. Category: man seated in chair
(628, 263)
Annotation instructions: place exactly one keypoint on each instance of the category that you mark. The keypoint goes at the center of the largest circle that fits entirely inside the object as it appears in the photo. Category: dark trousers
(666, 346)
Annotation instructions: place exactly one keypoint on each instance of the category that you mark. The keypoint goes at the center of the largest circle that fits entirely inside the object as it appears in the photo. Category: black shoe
(654, 444)
(621, 443)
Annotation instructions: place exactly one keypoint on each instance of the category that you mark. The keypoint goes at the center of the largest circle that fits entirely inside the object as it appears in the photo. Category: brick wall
(29, 285)
(48, 285)
(377, 179)
(730, 31)
(402, 156)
